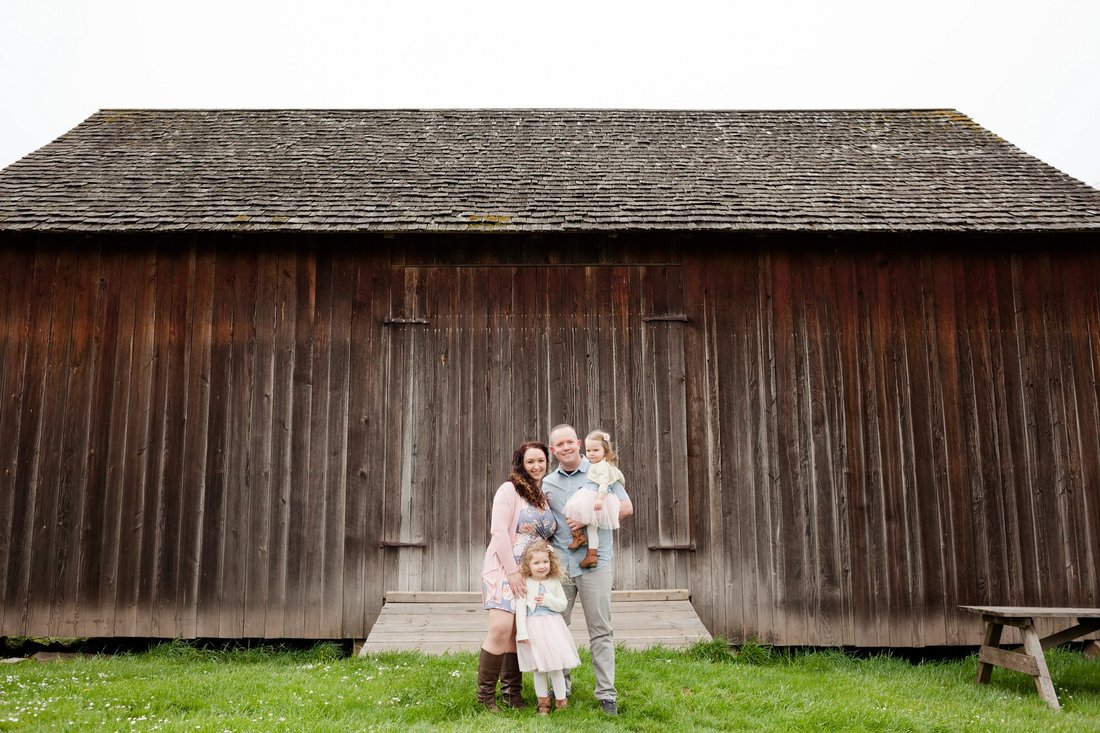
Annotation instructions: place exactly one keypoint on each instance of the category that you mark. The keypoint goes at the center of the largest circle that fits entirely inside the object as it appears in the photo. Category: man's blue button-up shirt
(559, 486)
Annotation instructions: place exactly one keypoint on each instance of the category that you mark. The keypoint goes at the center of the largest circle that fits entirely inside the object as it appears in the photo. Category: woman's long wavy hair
(526, 486)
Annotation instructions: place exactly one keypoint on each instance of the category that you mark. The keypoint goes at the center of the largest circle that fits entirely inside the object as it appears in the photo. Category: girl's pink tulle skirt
(550, 645)
(581, 507)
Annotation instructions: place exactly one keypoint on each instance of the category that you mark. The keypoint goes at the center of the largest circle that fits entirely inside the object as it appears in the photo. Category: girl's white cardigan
(553, 598)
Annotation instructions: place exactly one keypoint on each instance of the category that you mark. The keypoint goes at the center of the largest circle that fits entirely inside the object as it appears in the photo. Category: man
(593, 584)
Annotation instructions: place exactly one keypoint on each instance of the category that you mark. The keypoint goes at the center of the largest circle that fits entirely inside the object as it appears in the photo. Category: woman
(520, 516)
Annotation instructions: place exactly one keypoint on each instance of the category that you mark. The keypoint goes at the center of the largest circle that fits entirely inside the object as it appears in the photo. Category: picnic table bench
(1029, 658)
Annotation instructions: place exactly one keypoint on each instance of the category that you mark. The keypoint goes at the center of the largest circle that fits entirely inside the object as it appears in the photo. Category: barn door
(480, 358)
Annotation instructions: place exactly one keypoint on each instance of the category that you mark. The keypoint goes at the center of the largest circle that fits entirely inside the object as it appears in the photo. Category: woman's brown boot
(511, 682)
(590, 559)
(580, 538)
(561, 704)
(544, 705)
(488, 671)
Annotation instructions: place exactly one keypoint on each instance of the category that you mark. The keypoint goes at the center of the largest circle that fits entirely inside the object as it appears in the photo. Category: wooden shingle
(537, 170)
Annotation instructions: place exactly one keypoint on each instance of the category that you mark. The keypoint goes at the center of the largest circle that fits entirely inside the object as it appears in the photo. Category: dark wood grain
(20, 327)
(214, 439)
(259, 550)
(196, 448)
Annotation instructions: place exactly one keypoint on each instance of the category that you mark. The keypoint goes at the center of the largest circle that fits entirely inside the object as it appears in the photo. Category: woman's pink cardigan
(499, 562)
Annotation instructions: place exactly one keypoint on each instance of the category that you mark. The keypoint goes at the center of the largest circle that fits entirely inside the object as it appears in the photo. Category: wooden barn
(258, 368)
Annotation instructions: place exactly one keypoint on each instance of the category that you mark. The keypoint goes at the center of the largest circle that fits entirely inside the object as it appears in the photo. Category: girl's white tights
(557, 679)
(593, 536)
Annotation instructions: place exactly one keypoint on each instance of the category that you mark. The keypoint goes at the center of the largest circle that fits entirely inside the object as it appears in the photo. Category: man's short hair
(562, 426)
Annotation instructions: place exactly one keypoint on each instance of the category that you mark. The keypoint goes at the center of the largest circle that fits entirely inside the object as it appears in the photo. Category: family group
(551, 541)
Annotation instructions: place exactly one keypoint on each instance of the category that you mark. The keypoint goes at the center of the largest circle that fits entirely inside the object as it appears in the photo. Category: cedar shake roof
(537, 170)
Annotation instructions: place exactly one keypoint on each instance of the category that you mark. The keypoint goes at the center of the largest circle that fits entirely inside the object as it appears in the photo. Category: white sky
(1028, 71)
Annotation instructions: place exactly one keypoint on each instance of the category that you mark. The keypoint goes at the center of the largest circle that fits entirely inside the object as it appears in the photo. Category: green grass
(178, 687)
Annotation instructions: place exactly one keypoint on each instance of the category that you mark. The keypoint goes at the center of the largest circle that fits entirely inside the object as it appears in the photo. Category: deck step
(440, 622)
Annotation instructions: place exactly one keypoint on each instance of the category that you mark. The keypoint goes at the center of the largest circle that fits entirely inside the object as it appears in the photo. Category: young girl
(543, 641)
(594, 505)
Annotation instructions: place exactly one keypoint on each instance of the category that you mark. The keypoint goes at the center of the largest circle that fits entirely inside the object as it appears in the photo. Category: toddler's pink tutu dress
(582, 505)
(549, 645)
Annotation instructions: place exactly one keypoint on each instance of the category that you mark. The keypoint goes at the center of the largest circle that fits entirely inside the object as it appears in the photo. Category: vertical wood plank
(332, 598)
(23, 334)
(51, 514)
(1037, 433)
(193, 499)
(239, 488)
(822, 384)
(939, 514)
(14, 270)
(727, 546)
(175, 287)
(259, 553)
(874, 525)
(1083, 410)
(770, 555)
(926, 587)
(474, 446)
(301, 494)
(118, 372)
(153, 512)
(679, 429)
(362, 596)
(213, 534)
(985, 502)
(72, 481)
(865, 563)
(787, 402)
(281, 561)
(1055, 510)
(30, 488)
(134, 523)
(88, 618)
(394, 350)
(318, 475)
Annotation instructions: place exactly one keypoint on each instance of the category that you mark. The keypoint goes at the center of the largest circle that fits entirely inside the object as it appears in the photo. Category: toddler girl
(543, 641)
(594, 506)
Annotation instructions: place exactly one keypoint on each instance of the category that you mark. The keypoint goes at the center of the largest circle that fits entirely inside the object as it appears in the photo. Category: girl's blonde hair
(604, 437)
(540, 546)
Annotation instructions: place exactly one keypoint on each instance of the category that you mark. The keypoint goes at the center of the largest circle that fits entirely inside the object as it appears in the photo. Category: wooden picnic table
(1029, 658)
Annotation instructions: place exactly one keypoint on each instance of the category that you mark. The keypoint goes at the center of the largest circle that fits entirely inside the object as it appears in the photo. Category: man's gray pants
(595, 592)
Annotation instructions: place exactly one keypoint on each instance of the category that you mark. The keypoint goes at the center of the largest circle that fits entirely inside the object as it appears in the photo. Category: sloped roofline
(559, 169)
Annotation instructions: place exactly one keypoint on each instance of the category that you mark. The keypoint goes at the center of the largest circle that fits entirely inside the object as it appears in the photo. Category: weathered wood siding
(257, 437)
(176, 425)
(888, 434)
(252, 442)
(479, 357)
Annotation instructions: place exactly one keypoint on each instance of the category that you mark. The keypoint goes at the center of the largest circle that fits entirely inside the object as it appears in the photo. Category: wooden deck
(436, 623)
